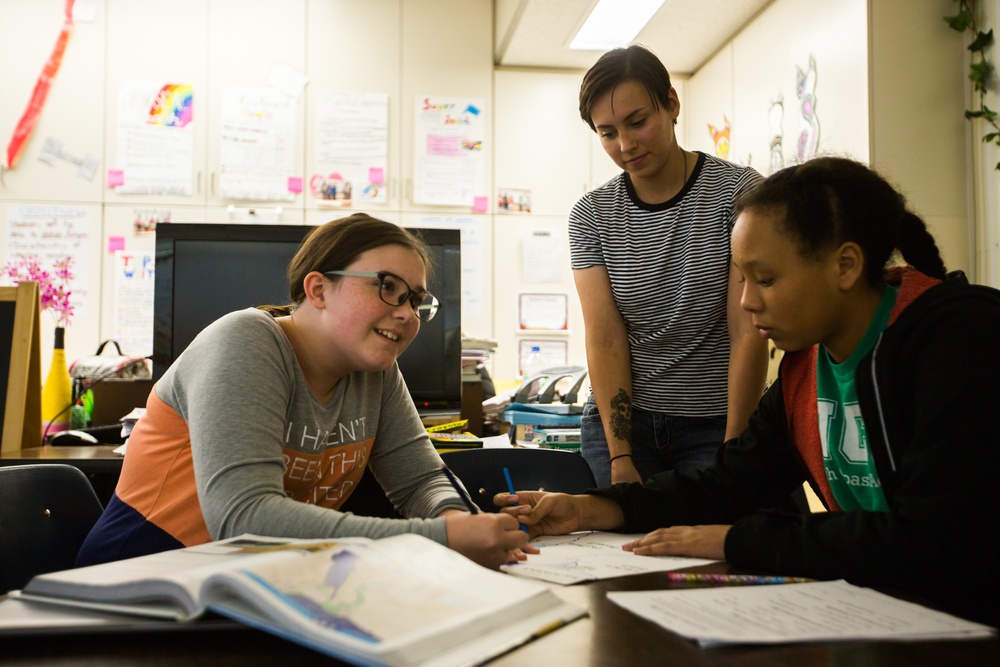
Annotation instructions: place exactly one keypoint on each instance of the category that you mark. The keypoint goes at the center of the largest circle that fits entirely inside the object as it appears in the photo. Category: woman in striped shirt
(676, 367)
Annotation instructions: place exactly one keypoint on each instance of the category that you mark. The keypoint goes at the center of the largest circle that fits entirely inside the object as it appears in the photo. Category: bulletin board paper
(449, 166)
(540, 312)
(352, 148)
(53, 233)
(542, 256)
(257, 144)
(134, 280)
(155, 140)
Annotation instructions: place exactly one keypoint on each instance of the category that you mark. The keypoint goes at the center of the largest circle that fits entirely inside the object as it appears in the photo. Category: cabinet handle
(213, 182)
(199, 181)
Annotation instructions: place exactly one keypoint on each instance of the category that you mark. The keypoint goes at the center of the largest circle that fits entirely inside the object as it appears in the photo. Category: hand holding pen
(488, 539)
(510, 487)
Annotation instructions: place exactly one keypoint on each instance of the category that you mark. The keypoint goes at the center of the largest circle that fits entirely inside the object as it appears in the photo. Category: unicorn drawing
(805, 89)
(776, 119)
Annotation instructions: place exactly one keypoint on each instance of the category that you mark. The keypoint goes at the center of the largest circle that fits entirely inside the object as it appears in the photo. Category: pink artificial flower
(53, 286)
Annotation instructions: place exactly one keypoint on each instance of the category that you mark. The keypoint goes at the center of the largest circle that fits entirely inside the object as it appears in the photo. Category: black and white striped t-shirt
(669, 270)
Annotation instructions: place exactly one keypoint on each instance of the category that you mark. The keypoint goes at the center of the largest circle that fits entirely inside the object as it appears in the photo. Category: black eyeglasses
(394, 291)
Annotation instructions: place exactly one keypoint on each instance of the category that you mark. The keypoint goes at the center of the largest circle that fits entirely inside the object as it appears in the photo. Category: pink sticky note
(116, 177)
(116, 243)
(295, 184)
(376, 175)
(479, 204)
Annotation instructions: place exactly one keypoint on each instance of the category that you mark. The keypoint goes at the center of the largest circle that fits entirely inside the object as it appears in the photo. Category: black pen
(459, 489)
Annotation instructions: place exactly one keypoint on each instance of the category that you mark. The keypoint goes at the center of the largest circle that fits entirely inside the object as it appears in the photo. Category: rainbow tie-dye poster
(172, 106)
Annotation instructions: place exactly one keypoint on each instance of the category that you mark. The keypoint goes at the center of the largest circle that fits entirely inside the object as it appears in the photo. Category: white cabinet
(214, 47)
(171, 50)
(447, 51)
(72, 115)
(353, 47)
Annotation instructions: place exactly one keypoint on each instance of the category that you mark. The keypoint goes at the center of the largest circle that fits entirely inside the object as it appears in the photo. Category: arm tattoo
(621, 416)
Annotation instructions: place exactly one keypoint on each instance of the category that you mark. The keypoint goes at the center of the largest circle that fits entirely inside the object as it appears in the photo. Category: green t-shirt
(846, 457)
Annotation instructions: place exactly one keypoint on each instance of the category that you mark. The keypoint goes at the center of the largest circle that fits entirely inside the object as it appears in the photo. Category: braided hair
(830, 200)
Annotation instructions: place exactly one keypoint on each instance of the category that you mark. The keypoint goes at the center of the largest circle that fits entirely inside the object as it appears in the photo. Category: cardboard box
(114, 398)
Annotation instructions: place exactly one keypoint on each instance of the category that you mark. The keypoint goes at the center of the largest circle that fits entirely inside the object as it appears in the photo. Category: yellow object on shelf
(57, 392)
(450, 426)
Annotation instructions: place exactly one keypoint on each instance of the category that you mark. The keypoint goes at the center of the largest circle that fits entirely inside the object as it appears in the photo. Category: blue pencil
(459, 489)
(510, 487)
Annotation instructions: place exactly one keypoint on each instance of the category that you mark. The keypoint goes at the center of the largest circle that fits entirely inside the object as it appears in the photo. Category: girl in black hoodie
(886, 405)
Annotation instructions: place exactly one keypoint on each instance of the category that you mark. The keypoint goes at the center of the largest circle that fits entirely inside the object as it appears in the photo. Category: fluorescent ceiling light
(614, 23)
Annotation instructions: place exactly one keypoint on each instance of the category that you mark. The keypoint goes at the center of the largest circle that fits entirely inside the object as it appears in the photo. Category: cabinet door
(353, 47)
(157, 54)
(60, 161)
(542, 145)
(454, 63)
(248, 39)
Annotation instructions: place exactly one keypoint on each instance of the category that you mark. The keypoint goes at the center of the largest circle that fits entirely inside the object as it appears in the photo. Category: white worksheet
(570, 559)
(817, 611)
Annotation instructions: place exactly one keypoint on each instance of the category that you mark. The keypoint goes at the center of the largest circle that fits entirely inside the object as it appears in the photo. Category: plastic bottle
(535, 363)
(57, 393)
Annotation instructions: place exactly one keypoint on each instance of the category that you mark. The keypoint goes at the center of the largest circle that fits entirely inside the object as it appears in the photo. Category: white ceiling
(684, 33)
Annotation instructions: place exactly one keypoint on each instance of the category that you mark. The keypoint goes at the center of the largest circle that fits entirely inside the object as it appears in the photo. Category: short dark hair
(831, 200)
(635, 63)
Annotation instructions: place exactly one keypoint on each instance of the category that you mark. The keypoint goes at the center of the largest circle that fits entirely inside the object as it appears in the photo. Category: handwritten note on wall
(53, 233)
(257, 144)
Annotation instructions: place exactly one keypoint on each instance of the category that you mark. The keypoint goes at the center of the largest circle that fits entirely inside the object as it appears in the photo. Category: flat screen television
(205, 270)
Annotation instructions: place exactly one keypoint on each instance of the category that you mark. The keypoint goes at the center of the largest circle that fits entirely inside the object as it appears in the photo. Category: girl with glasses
(267, 421)
(884, 404)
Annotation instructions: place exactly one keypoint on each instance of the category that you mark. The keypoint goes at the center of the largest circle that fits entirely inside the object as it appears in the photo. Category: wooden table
(609, 636)
(98, 462)
(88, 458)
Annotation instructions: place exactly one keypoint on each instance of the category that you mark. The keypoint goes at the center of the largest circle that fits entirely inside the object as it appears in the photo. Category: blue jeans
(660, 442)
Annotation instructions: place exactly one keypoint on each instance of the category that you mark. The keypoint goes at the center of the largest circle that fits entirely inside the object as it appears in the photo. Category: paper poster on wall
(134, 279)
(553, 352)
(53, 233)
(543, 312)
(352, 148)
(155, 138)
(449, 167)
(513, 201)
(145, 221)
(542, 256)
(257, 144)
(473, 259)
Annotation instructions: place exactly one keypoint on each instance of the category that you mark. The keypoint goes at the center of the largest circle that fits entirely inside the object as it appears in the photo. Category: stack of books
(475, 352)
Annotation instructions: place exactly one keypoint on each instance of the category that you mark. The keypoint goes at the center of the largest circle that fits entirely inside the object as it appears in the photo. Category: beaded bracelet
(618, 456)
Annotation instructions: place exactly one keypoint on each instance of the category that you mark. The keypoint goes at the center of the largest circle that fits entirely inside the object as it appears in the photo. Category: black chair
(481, 471)
(46, 511)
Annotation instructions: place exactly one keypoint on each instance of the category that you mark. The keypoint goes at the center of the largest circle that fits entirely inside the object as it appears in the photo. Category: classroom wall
(869, 80)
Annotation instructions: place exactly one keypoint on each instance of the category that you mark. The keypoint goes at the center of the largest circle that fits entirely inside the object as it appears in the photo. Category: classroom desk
(98, 462)
(91, 459)
(609, 636)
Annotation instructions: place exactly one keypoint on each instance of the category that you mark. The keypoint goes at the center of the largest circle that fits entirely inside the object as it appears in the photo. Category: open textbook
(816, 611)
(587, 556)
(402, 600)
